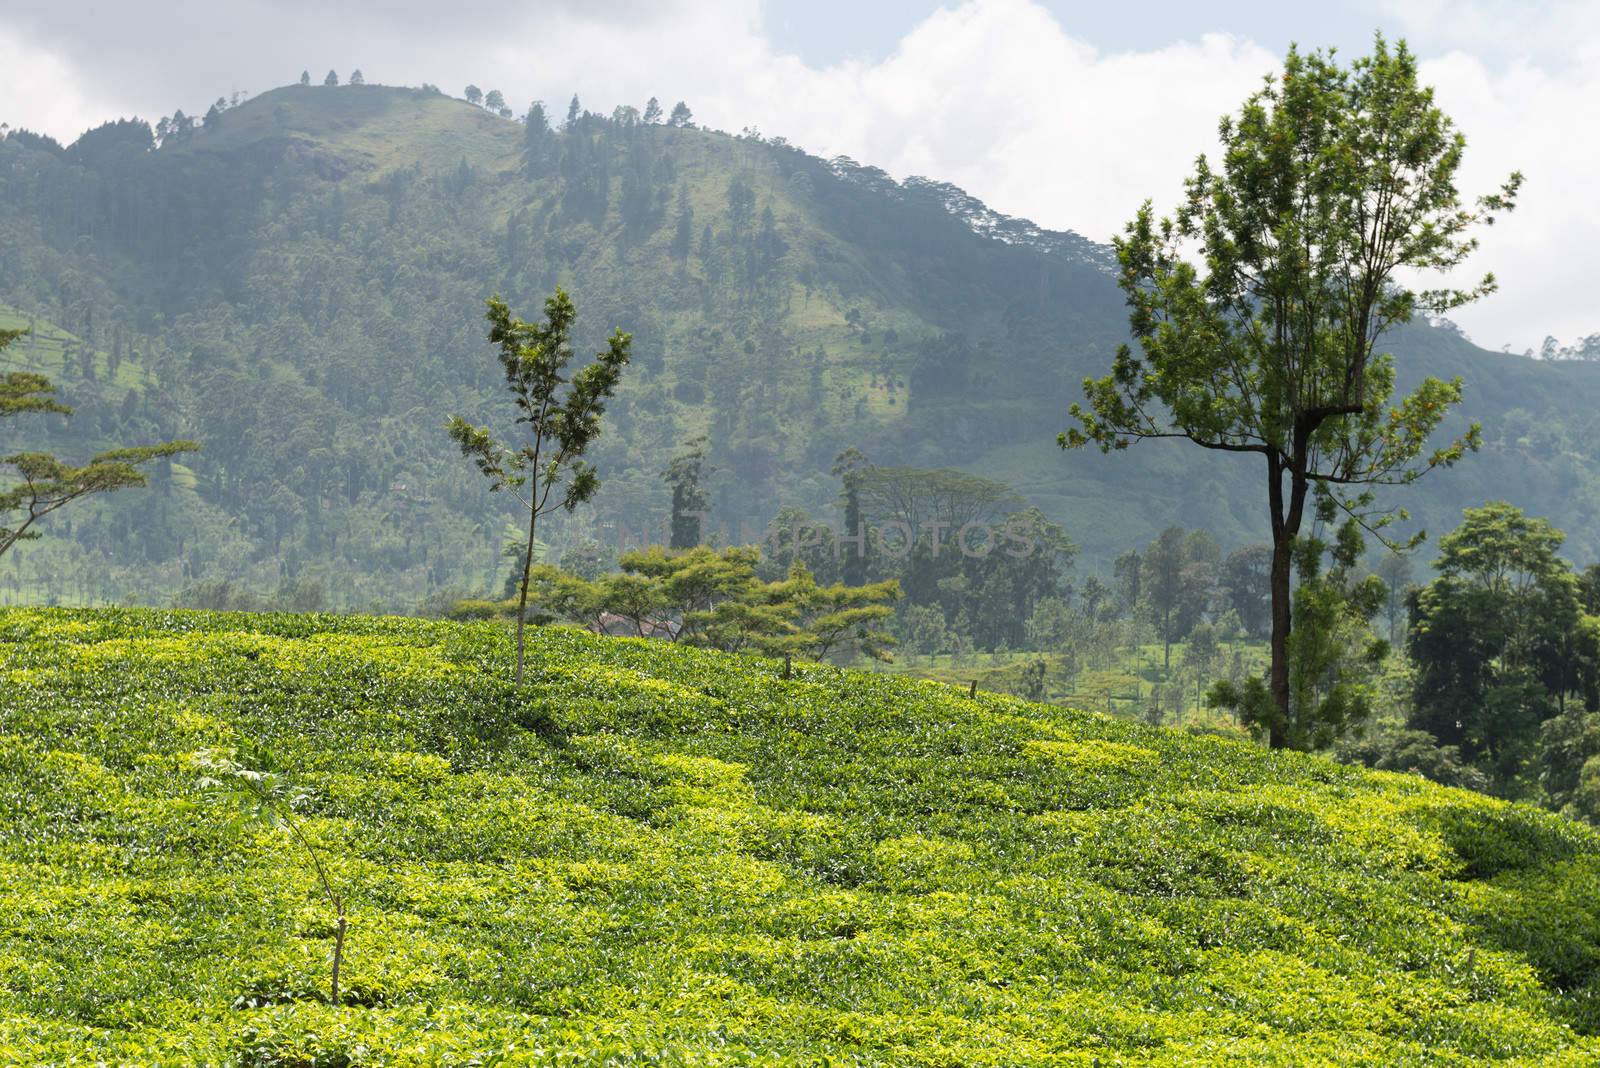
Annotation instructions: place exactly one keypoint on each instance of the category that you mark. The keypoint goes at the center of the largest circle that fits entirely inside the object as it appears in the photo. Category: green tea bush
(657, 855)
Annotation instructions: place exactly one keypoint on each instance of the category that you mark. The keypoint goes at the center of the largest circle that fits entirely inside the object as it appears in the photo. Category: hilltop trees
(331, 79)
(1258, 306)
(555, 428)
(48, 483)
(681, 116)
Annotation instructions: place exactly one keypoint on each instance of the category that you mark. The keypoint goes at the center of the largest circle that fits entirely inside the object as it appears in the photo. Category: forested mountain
(298, 282)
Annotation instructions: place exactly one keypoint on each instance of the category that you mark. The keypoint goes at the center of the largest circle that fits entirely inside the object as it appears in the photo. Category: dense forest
(297, 280)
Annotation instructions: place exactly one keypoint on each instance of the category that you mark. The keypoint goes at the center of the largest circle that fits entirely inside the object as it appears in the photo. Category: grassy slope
(667, 856)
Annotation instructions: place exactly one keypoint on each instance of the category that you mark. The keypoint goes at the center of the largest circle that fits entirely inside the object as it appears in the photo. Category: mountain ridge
(317, 242)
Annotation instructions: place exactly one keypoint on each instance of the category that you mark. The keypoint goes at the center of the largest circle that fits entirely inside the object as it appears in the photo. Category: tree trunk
(338, 947)
(527, 566)
(1285, 526)
(1278, 679)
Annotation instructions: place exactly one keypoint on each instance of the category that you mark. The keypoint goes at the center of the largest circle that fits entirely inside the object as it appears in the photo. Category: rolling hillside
(299, 284)
(663, 856)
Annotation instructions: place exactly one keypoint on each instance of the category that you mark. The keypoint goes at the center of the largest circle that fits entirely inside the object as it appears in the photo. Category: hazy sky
(1067, 113)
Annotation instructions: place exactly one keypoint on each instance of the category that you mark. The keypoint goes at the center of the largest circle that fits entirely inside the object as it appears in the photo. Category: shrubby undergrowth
(658, 855)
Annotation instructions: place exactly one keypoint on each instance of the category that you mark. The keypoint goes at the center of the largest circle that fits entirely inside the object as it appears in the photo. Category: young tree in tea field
(47, 483)
(272, 800)
(554, 428)
(1259, 305)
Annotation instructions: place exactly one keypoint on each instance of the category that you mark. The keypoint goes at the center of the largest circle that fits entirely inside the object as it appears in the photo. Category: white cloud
(1544, 253)
(995, 95)
(40, 91)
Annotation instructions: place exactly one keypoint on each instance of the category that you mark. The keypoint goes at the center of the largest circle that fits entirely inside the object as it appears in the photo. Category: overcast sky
(1066, 113)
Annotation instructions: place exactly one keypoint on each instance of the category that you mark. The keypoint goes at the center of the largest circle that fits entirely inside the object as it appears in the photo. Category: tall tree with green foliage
(1174, 588)
(1259, 305)
(686, 474)
(1245, 579)
(1493, 640)
(554, 428)
(47, 483)
(850, 468)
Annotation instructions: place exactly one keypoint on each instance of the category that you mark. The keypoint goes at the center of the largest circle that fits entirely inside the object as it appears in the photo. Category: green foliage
(273, 800)
(559, 426)
(665, 855)
(685, 475)
(47, 483)
(1500, 639)
(1335, 658)
(716, 599)
(1336, 184)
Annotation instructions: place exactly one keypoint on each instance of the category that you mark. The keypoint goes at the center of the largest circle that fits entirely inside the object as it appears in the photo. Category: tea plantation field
(654, 855)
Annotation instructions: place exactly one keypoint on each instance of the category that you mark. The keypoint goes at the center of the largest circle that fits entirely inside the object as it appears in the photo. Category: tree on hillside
(555, 429)
(684, 475)
(681, 116)
(792, 537)
(683, 228)
(1246, 580)
(536, 140)
(1175, 584)
(1259, 305)
(1394, 571)
(936, 502)
(473, 95)
(47, 483)
(331, 79)
(574, 110)
(356, 77)
(305, 77)
(652, 112)
(1127, 577)
(494, 100)
(1589, 589)
(717, 599)
(1492, 639)
(850, 468)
